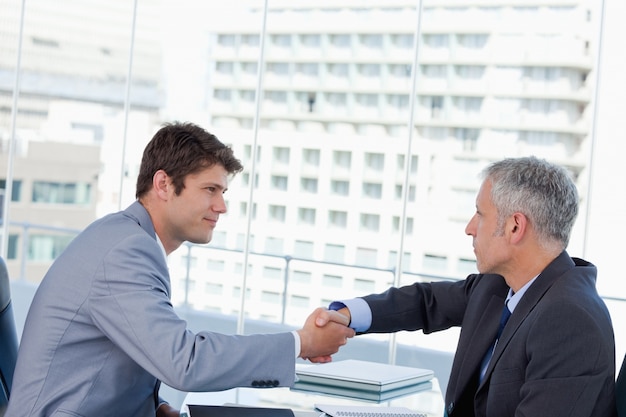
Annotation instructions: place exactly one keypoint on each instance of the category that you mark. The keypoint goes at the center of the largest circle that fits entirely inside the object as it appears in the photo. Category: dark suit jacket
(556, 356)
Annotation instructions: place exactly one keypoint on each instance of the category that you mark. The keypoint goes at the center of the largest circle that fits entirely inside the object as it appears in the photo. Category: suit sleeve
(130, 304)
(421, 306)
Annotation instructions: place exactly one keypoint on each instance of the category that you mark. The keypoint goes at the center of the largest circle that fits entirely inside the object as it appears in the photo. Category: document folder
(229, 411)
(363, 375)
(373, 396)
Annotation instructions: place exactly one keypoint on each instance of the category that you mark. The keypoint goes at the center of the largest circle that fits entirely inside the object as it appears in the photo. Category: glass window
(393, 258)
(299, 301)
(310, 40)
(275, 246)
(222, 95)
(250, 40)
(281, 40)
(436, 40)
(45, 248)
(340, 187)
(473, 40)
(219, 239)
(226, 40)
(215, 265)
(214, 288)
(372, 190)
(270, 297)
(342, 159)
(367, 256)
(334, 253)
(339, 40)
(226, 68)
(237, 292)
(306, 215)
(277, 213)
(279, 182)
(466, 267)
(369, 70)
(61, 193)
(370, 222)
(190, 260)
(365, 286)
(404, 40)
(338, 219)
(337, 70)
(332, 281)
(301, 276)
(281, 154)
(436, 263)
(408, 225)
(371, 41)
(311, 157)
(12, 251)
(375, 161)
(303, 249)
(400, 70)
(308, 184)
(280, 69)
(272, 273)
(307, 69)
(399, 192)
(16, 189)
(434, 71)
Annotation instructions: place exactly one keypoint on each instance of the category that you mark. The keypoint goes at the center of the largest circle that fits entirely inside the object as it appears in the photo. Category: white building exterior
(496, 79)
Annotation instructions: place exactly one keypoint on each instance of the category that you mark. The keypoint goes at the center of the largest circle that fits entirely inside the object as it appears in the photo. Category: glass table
(429, 402)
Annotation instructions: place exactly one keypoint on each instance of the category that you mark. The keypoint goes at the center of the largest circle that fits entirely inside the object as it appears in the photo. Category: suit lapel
(531, 298)
(476, 336)
(482, 338)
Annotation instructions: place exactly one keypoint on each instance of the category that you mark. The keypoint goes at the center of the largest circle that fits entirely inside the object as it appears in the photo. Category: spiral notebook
(335, 410)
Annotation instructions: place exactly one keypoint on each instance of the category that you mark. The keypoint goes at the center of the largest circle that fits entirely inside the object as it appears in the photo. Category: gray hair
(545, 193)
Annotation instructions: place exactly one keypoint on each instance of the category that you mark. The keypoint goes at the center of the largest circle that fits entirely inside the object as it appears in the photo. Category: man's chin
(200, 240)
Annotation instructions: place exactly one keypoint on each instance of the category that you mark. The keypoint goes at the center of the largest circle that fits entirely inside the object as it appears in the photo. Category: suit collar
(140, 215)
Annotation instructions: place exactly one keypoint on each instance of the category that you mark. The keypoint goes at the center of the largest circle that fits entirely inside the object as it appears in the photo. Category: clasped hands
(323, 333)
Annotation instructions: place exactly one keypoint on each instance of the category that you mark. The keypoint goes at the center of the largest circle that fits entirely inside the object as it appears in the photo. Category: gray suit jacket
(101, 331)
(556, 356)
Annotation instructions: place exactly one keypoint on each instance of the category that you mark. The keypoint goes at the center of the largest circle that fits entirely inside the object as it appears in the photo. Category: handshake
(323, 333)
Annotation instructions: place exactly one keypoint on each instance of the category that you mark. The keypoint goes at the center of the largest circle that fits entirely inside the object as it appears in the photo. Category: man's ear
(517, 227)
(161, 184)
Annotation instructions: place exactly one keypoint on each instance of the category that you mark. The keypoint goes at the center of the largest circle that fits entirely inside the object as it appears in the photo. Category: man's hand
(166, 410)
(324, 332)
(329, 315)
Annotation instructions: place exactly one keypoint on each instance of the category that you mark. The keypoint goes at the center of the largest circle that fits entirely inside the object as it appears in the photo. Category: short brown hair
(181, 149)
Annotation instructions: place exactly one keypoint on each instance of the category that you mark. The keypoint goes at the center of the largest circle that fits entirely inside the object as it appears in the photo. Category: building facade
(494, 79)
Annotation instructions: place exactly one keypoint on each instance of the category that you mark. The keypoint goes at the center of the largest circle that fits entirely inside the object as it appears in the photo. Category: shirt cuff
(296, 339)
(360, 313)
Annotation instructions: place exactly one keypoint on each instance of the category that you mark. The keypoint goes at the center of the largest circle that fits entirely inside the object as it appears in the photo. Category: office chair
(620, 390)
(8, 339)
